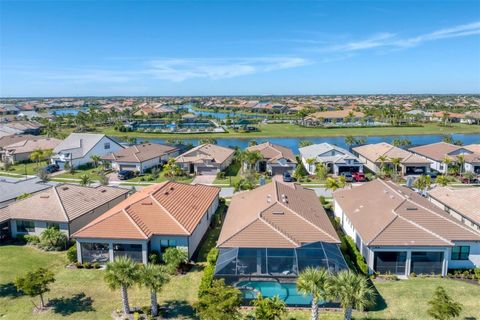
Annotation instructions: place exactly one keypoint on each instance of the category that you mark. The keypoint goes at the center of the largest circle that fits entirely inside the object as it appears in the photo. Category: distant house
(276, 231)
(335, 116)
(12, 188)
(68, 207)
(371, 156)
(21, 150)
(277, 159)
(400, 232)
(460, 203)
(141, 157)
(11, 139)
(336, 159)
(157, 217)
(207, 159)
(78, 148)
(438, 152)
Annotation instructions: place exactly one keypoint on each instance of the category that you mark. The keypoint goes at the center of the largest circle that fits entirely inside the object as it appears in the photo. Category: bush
(87, 265)
(221, 175)
(32, 239)
(72, 254)
(356, 256)
(154, 257)
(212, 256)
(79, 265)
(207, 278)
(53, 239)
(413, 275)
(477, 273)
(174, 257)
(96, 265)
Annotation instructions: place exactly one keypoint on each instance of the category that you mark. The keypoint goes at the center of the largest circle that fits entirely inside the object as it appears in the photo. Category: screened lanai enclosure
(278, 262)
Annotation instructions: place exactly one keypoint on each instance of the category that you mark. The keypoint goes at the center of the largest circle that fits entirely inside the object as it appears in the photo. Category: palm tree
(314, 282)
(46, 154)
(447, 161)
(441, 180)
(353, 291)
(382, 159)
(154, 277)
(36, 156)
(310, 162)
(322, 171)
(96, 159)
(461, 162)
(122, 273)
(396, 163)
(350, 141)
(85, 180)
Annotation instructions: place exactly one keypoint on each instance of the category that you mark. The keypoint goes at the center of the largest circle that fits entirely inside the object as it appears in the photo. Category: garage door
(207, 170)
(128, 167)
(280, 170)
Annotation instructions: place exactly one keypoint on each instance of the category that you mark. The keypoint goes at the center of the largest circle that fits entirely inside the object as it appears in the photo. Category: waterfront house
(400, 232)
(371, 155)
(336, 159)
(276, 159)
(460, 203)
(206, 159)
(140, 158)
(78, 148)
(68, 207)
(436, 153)
(169, 214)
(21, 150)
(274, 232)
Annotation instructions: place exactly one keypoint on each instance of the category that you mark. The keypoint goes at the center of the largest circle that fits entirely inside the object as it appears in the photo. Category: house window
(53, 225)
(106, 145)
(460, 253)
(164, 244)
(25, 226)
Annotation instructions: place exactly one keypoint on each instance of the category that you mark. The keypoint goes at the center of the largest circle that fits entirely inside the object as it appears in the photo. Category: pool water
(286, 291)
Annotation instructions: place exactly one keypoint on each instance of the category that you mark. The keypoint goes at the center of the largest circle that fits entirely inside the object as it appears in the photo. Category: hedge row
(208, 272)
(355, 255)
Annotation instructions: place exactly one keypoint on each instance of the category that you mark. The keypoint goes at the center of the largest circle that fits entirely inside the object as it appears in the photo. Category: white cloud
(391, 40)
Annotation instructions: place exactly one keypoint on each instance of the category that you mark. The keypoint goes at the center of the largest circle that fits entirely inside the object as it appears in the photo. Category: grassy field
(290, 130)
(82, 294)
(29, 168)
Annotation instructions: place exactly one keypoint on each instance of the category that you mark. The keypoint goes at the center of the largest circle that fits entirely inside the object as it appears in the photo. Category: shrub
(79, 265)
(212, 256)
(32, 239)
(96, 265)
(221, 175)
(53, 239)
(207, 278)
(72, 254)
(356, 256)
(413, 275)
(174, 257)
(154, 257)
(87, 265)
(477, 273)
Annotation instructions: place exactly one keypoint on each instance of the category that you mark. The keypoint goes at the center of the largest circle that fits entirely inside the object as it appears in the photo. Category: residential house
(336, 159)
(371, 155)
(169, 214)
(140, 158)
(12, 188)
(67, 207)
(11, 139)
(347, 115)
(460, 203)
(206, 159)
(438, 152)
(276, 231)
(400, 232)
(21, 150)
(276, 159)
(78, 148)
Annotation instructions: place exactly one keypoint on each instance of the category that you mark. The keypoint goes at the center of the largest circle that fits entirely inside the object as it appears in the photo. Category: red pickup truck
(359, 176)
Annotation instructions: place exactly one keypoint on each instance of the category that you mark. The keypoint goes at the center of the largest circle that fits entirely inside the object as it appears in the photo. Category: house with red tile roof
(169, 214)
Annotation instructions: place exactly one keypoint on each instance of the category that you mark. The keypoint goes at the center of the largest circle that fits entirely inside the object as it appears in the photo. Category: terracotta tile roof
(206, 152)
(462, 200)
(339, 114)
(30, 145)
(373, 151)
(62, 203)
(8, 140)
(169, 208)
(273, 152)
(384, 213)
(276, 215)
(140, 153)
(436, 151)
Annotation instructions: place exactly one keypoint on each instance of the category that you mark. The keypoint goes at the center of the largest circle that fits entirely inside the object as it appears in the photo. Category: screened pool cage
(278, 262)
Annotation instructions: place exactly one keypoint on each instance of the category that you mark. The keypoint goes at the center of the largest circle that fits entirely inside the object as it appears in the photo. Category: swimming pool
(286, 291)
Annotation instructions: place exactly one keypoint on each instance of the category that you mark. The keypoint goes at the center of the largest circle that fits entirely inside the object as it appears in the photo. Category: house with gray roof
(78, 148)
(337, 159)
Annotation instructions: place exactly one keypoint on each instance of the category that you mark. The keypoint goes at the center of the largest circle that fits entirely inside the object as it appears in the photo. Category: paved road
(204, 179)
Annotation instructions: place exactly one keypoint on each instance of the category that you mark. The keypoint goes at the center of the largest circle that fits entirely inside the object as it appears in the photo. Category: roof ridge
(134, 222)
(278, 230)
(236, 233)
(383, 229)
(60, 201)
(425, 229)
(164, 209)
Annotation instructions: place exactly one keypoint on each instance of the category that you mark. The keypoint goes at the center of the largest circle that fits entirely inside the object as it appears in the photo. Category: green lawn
(92, 172)
(291, 130)
(29, 168)
(82, 294)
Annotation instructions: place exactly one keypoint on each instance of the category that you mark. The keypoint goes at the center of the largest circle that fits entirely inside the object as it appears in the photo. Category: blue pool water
(286, 291)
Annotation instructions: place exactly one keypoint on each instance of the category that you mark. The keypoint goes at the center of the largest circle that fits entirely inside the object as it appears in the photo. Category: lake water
(292, 143)
(64, 112)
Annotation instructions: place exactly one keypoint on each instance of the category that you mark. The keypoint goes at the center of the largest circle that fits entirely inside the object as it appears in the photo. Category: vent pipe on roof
(269, 198)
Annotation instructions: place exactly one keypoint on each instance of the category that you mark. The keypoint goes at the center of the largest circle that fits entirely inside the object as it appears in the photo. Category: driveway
(204, 179)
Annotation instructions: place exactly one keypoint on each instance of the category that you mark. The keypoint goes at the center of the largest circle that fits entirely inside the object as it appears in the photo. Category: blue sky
(74, 48)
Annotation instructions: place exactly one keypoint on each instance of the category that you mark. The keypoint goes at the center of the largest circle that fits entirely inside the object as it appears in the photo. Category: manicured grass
(29, 168)
(291, 130)
(92, 172)
(82, 294)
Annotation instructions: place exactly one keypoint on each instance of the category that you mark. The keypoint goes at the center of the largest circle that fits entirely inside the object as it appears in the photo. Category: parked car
(348, 176)
(287, 177)
(468, 180)
(51, 168)
(359, 176)
(432, 174)
(125, 174)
